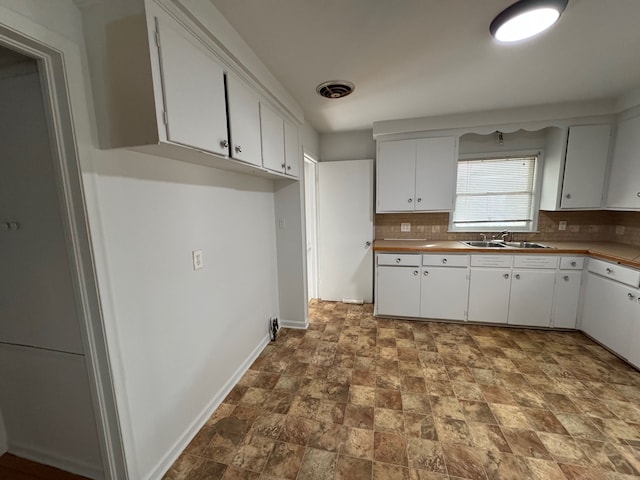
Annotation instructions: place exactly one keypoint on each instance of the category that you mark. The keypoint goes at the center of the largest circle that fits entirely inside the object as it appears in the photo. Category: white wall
(310, 140)
(44, 391)
(356, 145)
(183, 336)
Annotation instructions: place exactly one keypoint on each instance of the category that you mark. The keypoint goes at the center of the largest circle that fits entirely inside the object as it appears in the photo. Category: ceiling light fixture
(525, 19)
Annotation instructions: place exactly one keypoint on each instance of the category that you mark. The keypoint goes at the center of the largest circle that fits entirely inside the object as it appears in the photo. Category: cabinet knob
(609, 271)
(398, 260)
(506, 275)
(568, 195)
(283, 165)
(444, 260)
(426, 272)
(638, 194)
(573, 264)
(566, 278)
(415, 272)
(419, 200)
(224, 143)
(288, 167)
(517, 276)
(367, 244)
(410, 200)
(631, 296)
(238, 149)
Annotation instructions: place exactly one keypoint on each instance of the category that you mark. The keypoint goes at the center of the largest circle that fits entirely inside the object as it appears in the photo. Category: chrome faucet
(504, 234)
(483, 237)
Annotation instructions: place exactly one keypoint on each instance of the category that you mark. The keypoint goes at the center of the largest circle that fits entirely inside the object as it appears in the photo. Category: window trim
(537, 188)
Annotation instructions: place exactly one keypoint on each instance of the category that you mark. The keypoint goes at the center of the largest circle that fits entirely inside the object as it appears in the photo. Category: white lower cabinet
(398, 290)
(531, 299)
(444, 292)
(565, 305)
(609, 311)
(489, 294)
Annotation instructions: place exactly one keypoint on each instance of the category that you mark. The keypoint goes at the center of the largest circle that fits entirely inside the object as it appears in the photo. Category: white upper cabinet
(575, 167)
(624, 180)
(244, 122)
(416, 175)
(194, 104)
(280, 147)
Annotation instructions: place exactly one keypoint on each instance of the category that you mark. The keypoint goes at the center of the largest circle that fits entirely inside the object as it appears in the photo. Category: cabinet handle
(415, 272)
(419, 199)
(398, 260)
(517, 276)
(566, 278)
(609, 271)
(444, 260)
(238, 149)
(568, 195)
(224, 143)
(573, 264)
(410, 200)
(426, 272)
(631, 296)
(506, 275)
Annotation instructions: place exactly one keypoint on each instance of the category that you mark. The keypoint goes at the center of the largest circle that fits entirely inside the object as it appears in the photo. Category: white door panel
(345, 210)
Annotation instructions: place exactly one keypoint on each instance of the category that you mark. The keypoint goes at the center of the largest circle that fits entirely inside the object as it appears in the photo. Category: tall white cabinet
(416, 175)
(624, 179)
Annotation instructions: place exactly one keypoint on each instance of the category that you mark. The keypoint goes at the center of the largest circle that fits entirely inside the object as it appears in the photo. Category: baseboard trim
(304, 324)
(29, 452)
(169, 459)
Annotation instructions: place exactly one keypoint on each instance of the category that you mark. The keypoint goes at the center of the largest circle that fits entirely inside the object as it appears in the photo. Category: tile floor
(355, 397)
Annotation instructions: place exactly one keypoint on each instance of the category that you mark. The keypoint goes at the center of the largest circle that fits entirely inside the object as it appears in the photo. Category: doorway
(311, 216)
(56, 393)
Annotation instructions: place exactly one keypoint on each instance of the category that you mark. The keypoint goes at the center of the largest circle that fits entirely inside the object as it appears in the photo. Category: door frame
(55, 73)
(312, 270)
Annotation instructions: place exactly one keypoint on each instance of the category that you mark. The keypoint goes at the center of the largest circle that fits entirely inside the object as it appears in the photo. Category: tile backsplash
(592, 225)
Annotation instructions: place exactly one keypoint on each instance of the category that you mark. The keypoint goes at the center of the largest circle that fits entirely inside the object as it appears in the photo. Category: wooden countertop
(615, 252)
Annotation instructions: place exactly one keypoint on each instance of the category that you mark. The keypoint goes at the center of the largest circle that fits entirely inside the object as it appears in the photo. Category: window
(495, 194)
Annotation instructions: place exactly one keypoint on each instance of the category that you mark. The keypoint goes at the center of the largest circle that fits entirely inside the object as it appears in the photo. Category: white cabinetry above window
(624, 180)
(416, 175)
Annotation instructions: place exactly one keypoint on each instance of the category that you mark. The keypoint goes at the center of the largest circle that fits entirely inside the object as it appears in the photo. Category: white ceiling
(417, 58)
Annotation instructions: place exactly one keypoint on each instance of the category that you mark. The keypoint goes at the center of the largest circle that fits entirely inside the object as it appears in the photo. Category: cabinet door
(292, 154)
(606, 313)
(585, 166)
(272, 131)
(244, 122)
(565, 305)
(531, 297)
(489, 295)
(195, 108)
(633, 348)
(398, 291)
(395, 172)
(444, 292)
(624, 182)
(435, 170)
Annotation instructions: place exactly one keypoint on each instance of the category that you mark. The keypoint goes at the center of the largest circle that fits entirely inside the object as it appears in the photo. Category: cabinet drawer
(571, 263)
(491, 260)
(445, 260)
(402, 260)
(535, 261)
(628, 276)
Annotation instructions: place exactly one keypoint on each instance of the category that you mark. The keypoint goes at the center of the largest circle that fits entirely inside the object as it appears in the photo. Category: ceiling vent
(335, 89)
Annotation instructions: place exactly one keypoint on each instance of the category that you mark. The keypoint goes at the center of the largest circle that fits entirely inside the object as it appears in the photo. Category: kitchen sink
(484, 244)
(499, 244)
(526, 245)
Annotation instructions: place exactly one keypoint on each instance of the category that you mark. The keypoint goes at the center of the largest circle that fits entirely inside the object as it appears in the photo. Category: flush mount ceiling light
(525, 19)
(335, 88)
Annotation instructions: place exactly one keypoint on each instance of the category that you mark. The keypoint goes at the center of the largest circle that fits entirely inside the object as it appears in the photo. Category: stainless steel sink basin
(526, 245)
(484, 244)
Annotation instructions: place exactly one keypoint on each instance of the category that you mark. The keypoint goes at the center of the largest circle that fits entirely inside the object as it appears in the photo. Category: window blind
(495, 192)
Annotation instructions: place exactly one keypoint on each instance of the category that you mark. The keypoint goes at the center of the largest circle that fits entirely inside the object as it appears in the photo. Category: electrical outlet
(405, 227)
(562, 225)
(282, 223)
(197, 259)
(619, 229)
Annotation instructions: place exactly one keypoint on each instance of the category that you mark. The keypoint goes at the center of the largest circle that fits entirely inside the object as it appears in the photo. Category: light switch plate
(405, 227)
(562, 225)
(197, 259)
